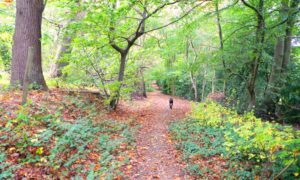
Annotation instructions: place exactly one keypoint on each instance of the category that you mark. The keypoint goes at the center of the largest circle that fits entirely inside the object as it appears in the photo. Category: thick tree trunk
(288, 35)
(276, 68)
(281, 59)
(26, 76)
(287, 46)
(27, 34)
(274, 78)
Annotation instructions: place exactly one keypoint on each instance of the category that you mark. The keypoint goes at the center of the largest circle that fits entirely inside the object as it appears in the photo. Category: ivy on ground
(71, 142)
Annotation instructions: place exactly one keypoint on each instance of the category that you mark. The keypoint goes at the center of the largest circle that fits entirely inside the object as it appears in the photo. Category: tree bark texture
(259, 39)
(115, 97)
(281, 58)
(27, 34)
(288, 34)
(28, 68)
(274, 78)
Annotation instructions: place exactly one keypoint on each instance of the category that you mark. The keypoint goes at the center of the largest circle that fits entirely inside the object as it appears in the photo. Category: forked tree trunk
(27, 34)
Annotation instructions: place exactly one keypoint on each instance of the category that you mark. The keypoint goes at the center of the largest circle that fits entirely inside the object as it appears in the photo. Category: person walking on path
(171, 102)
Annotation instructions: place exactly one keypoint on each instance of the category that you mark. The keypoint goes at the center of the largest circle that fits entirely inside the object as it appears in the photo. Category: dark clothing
(171, 103)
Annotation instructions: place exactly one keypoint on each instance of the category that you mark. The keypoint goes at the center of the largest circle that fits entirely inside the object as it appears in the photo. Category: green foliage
(6, 168)
(197, 141)
(289, 96)
(5, 46)
(260, 148)
(47, 140)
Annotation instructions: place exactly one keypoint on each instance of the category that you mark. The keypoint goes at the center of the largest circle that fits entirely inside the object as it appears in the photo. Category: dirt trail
(156, 156)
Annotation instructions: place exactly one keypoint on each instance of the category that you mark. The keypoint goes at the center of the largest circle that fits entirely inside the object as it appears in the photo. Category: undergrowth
(242, 147)
(35, 142)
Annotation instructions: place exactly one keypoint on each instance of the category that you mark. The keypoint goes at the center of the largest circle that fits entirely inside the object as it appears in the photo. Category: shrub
(264, 149)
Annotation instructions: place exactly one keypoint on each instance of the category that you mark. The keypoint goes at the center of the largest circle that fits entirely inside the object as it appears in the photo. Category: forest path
(156, 156)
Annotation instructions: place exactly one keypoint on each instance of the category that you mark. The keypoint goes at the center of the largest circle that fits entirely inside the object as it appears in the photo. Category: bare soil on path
(155, 156)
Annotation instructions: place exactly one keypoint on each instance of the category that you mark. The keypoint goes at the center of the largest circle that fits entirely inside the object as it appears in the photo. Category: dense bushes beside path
(244, 146)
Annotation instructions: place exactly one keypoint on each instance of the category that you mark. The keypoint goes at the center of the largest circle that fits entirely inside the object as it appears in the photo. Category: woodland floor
(155, 156)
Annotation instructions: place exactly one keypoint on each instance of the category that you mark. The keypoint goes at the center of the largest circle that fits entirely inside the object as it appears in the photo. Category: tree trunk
(260, 37)
(144, 90)
(192, 78)
(27, 34)
(203, 86)
(116, 95)
(203, 89)
(274, 78)
(220, 32)
(213, 82)
(288, 35)
(224, 86)
(194, 85)
(281, 59)
(26, 76)
(287, 46)
(62, 49)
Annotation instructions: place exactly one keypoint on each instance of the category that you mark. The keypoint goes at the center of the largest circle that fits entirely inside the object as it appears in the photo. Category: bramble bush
(252, 147)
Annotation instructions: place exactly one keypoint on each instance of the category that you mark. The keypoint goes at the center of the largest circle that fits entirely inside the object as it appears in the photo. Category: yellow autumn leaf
(39, 151)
